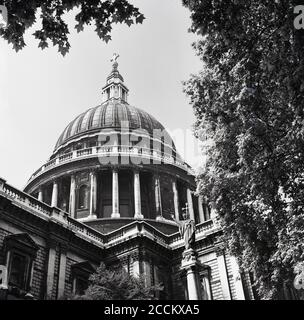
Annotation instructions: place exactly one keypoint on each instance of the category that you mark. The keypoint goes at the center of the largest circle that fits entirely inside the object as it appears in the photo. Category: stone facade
(139, 247)
(117, 203)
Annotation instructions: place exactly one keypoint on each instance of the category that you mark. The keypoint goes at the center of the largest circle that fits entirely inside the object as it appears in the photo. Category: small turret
(115, 88)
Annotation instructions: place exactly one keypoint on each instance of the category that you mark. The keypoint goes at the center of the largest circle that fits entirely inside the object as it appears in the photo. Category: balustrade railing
(25, 199)
(85, 230)
(89, 233)
(42, 209)
(108, 150)
(66, 156)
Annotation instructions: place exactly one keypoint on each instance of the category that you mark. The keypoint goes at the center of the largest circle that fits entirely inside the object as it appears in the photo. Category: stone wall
(39, 268)
(39, 274)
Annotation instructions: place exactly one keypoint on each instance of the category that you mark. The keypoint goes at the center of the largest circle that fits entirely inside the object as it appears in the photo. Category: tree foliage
(111, 284)
(248, 100)
(103, 14)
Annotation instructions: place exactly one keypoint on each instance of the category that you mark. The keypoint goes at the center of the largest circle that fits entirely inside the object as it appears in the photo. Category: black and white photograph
(153, 151)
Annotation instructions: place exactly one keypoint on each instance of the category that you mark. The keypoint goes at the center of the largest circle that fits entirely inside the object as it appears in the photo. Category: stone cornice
(57, 224)
(89, 164)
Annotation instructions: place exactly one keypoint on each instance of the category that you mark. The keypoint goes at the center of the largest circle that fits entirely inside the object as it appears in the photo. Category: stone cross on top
(115, 57)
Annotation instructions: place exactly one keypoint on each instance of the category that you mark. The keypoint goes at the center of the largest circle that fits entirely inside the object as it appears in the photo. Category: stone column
(115, 194)
(190, 265)
(135, 261)
(201, 209)
(239, 290)
(50, 273)
(158, 205)
(137, 197)
(115, 145)
(147, 272)
(190, 204)
(93, 195)
(72, 206)
(40, 195)
(205, 283)
(61, 276)
(175, 199)
(54, 202)
(155, 273)
(192, 284)
(223, 274)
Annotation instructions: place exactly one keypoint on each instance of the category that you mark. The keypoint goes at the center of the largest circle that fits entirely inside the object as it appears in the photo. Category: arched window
(83, 197)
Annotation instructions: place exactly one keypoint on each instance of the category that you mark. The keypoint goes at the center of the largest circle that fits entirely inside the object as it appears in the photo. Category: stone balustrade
(24, 200)
(139, 227)
(111, 151)
(45, 211)
(86, 231)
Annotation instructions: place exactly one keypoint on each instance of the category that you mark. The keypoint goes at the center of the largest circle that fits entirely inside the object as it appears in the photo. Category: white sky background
(41, 91)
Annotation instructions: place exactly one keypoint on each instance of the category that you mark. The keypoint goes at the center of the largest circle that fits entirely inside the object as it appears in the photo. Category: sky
(41, 91)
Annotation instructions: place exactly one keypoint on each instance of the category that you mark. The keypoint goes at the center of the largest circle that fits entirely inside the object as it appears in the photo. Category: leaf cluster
(248, 100)
(22, 14)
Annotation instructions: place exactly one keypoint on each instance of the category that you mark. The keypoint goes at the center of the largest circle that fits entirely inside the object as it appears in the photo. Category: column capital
(64, 247)
(189, 259)
(156, 174)
(174, 179)
(93, 172)
(191, 265)
(115, 169)
(52, 243)
(219, 250)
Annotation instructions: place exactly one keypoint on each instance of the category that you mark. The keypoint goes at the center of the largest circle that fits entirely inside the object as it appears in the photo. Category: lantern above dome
(115, 88)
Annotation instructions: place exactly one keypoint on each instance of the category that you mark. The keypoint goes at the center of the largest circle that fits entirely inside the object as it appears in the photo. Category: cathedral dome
(109, 115)
(115, 161)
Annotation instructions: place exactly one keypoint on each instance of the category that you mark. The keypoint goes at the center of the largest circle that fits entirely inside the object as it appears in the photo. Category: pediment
(21, 240)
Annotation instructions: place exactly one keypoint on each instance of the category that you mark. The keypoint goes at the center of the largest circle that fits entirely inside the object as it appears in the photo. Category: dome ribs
(91, 117)
(79, 123)
(85, 121)
(108, 115)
